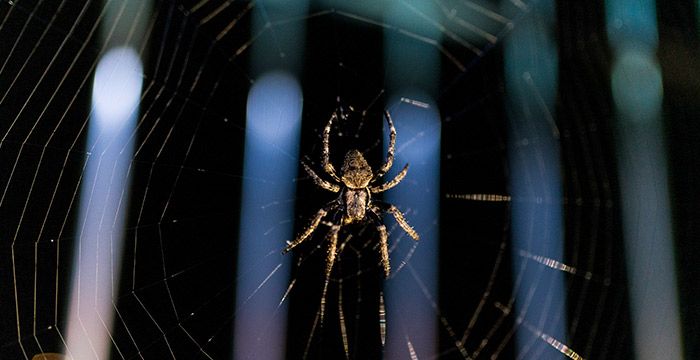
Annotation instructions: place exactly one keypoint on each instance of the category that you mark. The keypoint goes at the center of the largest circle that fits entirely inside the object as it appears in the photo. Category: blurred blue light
(410, 314)
(531, 67)
(103, 201)
(279, 31)
(637, 89)
(412, 61)
(637, 85)
(274, 107)
(269, 171)
(117, 87)
(631, 24)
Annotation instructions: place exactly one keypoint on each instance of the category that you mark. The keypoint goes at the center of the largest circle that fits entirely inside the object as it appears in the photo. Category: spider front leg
(325, 161)
(392, 145)
(388, 185)
(320, 182)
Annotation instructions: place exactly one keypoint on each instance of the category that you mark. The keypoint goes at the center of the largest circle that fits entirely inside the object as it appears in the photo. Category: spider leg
(400, 219)
(383, 240)
(388, 185)
(319, 181)
(332, 248)
(392, 145)
(325, 161)
(309, 229)
(330, 260)
(384, 249)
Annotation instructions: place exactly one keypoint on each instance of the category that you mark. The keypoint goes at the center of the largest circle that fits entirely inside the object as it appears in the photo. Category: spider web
(177, 289)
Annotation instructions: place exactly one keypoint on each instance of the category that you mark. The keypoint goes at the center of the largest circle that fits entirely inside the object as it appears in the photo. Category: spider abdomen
(355, 204)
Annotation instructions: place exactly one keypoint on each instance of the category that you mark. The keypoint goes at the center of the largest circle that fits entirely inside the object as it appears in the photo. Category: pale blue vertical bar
(270, 166)
(104, 191)
(412, 78)
(271, 160)
(269, 169)
(103, 202)
(637, 90)
(531, 72)
(411, 319)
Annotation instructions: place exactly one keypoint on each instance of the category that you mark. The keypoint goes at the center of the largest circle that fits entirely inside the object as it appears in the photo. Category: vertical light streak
(410, 293)
(531, 69)
(271, 160)
(638, 93)
(104, 194)
(412, 77)
(269, 169)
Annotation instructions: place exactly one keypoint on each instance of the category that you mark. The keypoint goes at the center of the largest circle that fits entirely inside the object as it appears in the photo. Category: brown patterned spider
(355, 186)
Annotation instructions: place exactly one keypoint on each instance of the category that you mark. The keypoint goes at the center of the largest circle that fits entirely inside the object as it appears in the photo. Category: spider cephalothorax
(355, 173)
(355, 200)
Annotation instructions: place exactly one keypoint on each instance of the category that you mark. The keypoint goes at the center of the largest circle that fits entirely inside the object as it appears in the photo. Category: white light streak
(117, 87)
(104, 195)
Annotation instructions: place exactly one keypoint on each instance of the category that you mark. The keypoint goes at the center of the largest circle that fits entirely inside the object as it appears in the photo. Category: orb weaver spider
(355, 186)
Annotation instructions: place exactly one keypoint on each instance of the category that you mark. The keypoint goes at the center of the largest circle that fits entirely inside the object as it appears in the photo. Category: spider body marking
(355, 188)
(355, 175)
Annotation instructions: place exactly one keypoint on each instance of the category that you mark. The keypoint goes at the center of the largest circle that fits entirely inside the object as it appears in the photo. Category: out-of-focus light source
(631, 24)
(270, 164)
(411, 324)
(274, 107)
(531, 69)
(103, 201)
(412, 63)
(637, 86)
(271, 160)
(117, 86)
(637, 90)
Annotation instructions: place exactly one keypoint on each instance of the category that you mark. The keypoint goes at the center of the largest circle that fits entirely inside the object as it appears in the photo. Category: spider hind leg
(400, 219)
(384, 249)
(383, 240)
(330, 260)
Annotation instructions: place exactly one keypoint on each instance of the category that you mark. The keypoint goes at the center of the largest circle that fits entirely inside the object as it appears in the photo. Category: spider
(355, 185)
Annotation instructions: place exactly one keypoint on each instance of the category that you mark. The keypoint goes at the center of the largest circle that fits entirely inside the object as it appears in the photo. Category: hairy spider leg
(332, 249)
(383, 239)
(325, 161)
(392, 145)
(384, 249)
(330, 260)
(319, 181)
(388, 185)
(309, 229)
(393, 210)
